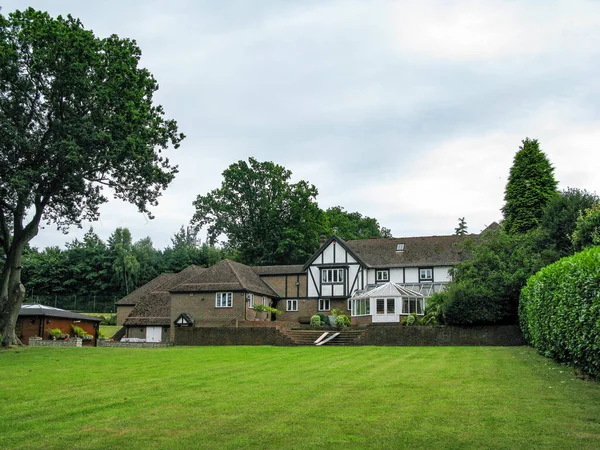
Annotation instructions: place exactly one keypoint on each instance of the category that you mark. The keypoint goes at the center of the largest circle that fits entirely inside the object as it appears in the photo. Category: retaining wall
(74, 342)
(104, 343)
(230, 336)
(494, 335)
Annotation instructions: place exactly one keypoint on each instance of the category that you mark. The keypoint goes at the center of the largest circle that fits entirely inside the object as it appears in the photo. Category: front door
(153, 334)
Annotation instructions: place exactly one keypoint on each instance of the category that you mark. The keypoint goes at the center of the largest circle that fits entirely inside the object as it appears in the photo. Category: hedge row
(559, 311)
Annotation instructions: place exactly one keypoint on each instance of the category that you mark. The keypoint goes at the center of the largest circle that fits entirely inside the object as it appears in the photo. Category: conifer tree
(530, 186)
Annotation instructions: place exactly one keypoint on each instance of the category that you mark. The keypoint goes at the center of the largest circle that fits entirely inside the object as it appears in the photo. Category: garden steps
(308, 337)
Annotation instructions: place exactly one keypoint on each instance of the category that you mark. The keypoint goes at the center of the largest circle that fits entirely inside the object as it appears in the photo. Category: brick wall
(289, 286)
(103, 343)
(230, 336)
(495, 335)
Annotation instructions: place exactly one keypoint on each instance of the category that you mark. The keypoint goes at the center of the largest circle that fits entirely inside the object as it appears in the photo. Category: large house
(371, 280)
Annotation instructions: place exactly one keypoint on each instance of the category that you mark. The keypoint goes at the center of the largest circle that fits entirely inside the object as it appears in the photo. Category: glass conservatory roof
(387, 290)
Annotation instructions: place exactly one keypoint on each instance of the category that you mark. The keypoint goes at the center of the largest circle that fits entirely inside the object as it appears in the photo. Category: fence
(80, 303)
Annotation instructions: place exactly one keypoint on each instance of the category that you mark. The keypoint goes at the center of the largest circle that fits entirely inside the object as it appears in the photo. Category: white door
(153, 334)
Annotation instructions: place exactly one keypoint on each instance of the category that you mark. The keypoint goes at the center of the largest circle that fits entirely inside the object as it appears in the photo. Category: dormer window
(399, 247)
(184, 320)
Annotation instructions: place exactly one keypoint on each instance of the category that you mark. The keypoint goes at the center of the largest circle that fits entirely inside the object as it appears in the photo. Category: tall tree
(587, 229)
(125, 264)
(76, 116)
(353, 225)
(461, 229)
(149, 258)
(530, 187)
(267, 219)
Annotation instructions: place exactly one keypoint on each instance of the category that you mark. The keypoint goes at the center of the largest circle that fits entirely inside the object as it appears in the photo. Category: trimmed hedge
(559, 311)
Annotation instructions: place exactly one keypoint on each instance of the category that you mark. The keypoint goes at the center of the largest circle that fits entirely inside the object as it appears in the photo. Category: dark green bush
(559, 311)
(323, 317)
(472, 304)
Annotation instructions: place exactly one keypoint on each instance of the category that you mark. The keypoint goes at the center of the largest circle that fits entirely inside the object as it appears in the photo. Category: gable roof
(340, 241)
(387, 290)
(154, 308)
(226, 276)
(35, 309)
(418, 251)
(133, 297)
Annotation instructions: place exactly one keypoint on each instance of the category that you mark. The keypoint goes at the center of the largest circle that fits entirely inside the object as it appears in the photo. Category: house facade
(340, 275)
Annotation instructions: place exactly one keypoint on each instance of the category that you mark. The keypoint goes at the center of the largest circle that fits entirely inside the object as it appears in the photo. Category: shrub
(323, 317)
(55, 333)
(79, 332)
(559, 311)
(272, 310)
(434, 311)
(336, 312)
(469, 303)
(260, 308)
(315, 321)
(342, 320)
(409, 320)
(109, 319)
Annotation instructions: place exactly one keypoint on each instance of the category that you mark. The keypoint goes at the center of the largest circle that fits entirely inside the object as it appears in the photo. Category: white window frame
(333, 276)
(382, 272)
(265, 301)
(224, 300)
(361, 307)
(427, 270)
(291, 305)
(251, 301)
(324, 304)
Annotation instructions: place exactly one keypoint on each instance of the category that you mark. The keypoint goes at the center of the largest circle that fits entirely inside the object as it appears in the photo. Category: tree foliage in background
(266, 218)
(76, 116)
(531, 185)
(353, 225)
(461, 229)
(587, 229)
(125, 265)
(560, 218)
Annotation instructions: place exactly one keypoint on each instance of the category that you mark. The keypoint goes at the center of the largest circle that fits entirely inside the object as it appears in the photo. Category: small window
(426, 274)
(383, 275)
(251, 301)
(391, 306)
(224, 300)
(265, 301)
(332, 275)
(291, 305)
(324, 304)
(399, 247)
(380, 306)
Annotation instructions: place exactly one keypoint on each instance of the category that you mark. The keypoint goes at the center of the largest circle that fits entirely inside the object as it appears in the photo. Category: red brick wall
(29, 329)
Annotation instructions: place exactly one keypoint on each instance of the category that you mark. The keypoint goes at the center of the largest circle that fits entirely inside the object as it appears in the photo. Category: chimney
(322, 240)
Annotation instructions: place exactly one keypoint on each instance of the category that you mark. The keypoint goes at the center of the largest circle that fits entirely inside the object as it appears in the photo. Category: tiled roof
(154, 308)
(151, 285)
(35, 309)
(418, 251)
(226, 275)
(278, 270)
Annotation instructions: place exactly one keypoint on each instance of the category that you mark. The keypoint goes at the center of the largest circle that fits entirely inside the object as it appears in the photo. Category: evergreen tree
(530, 187)
(461, 229)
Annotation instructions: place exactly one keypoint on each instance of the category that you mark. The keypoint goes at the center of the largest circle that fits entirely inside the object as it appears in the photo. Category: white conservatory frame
(387, 303)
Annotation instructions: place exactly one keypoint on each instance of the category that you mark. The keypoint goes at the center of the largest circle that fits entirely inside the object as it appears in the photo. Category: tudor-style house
(371, 280)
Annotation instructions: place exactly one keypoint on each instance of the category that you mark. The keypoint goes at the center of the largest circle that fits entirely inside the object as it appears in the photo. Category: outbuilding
(38, 320)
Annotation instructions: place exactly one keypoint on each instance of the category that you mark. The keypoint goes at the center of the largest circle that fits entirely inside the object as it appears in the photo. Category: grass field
(292, 398)
(109, 330)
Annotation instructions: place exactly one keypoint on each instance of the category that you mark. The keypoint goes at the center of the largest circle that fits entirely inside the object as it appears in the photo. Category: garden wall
(494, 335)
(37, 342)
(230, 336)
(106, 343)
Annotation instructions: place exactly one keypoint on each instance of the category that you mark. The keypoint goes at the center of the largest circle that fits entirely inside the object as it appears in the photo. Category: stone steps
(308, 337)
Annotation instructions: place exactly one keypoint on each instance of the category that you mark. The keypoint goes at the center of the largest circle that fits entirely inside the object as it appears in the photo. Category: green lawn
(292, 398)
(109, 330)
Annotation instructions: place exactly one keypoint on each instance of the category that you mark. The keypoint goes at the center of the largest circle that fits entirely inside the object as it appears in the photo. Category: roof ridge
(235, 273)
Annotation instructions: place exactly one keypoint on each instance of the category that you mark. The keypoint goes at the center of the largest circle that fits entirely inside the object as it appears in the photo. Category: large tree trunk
(11, 295)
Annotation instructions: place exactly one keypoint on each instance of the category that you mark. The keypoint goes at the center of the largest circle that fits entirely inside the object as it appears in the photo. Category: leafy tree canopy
(76, 117)
(530, 187)
(353, 225)
(587, 229)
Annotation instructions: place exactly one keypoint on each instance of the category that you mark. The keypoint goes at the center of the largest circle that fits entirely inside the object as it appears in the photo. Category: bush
(342, 320)
(411, 319)
(315, 321)
(559, 311)
(434, 311)
(109, 319)
(79, 332)
(323, 317)
(55, 333)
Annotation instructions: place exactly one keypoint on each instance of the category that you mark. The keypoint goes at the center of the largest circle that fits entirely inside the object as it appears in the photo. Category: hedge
(559, 311)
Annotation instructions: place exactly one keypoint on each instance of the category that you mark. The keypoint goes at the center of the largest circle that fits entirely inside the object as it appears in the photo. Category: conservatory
(387, 303)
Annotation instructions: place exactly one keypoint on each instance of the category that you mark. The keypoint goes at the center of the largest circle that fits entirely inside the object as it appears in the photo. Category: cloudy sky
(409, 112)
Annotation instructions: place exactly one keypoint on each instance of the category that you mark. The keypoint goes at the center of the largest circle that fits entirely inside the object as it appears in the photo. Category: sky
(408, 112)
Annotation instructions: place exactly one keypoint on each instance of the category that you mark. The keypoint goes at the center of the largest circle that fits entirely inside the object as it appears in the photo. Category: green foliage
(79, 332)
(336, 311)
(587, 229)
(530, 187)
(434, 311)
(265, 217)
(77, 120)
(55, 332)
(411, 319)
(353, 225)
(486, 287)
(315, 321)
(109, 319)
(323, 317)
(274, 311)
(559, 311)
(342, 320)
(461, 230)
(560, 218)
(259, 308)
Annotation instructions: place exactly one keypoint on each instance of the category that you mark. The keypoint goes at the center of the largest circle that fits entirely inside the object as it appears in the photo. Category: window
(383, 275)
(412, 305)
(332, 275)
(265, 301)
(291, 305)
(386, 306)
(224, 300)
(251, 301)
(362, 307)
(426, 274)
(380, 306)
(324, 304)
(399, 247)
(391, 305)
